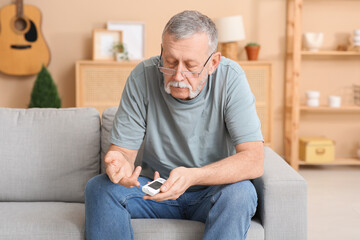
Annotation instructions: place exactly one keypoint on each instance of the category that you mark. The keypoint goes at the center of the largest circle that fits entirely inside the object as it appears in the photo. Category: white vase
(120, 56)
(313, 41)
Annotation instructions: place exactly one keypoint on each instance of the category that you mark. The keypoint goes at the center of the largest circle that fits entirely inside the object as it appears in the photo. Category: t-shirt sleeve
(129, 124)
(241, 118)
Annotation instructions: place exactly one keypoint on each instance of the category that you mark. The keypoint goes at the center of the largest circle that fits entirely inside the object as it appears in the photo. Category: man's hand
(120, 171)
(179, 181)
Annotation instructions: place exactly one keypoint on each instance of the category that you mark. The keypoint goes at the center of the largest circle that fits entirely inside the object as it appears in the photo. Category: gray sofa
(48, 155)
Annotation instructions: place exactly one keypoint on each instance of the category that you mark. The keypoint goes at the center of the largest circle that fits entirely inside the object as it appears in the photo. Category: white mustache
(192, 94)
(179, 85)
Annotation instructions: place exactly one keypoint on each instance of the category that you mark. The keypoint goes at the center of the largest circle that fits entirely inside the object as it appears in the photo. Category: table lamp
(230, 31)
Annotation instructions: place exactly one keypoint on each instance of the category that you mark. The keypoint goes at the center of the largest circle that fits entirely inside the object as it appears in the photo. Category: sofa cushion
(48, 154)
(107, 123)
(52, 220)
(42, 220)
(182, 229)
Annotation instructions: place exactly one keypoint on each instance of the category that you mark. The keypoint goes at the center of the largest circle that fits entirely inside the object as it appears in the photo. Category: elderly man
(195, 114)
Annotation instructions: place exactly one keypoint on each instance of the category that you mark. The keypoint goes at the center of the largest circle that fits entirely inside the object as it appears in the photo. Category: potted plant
(44, 93)
(252, 51)
(120, 52)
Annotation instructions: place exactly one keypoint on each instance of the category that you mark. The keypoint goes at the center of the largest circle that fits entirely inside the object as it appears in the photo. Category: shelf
(330, 53)
(257, 62)
(337, 162)
(329, 109)
(108, 62)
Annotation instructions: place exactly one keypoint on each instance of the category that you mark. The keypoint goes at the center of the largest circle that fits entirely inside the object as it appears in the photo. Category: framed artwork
(103, 43)
(133, 37)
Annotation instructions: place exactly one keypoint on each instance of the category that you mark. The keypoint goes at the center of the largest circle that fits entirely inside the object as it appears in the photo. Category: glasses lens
(190, 74)
(167, 71)
(172, 72)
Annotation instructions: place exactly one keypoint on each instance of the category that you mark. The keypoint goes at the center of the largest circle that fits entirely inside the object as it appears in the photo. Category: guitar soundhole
(20, 24)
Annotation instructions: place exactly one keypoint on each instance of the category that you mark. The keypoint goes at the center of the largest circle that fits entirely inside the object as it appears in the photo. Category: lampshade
(230, 29)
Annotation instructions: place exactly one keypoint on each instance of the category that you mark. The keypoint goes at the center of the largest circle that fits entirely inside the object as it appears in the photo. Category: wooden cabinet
(259, 75)
(296, 78)
(100, 84)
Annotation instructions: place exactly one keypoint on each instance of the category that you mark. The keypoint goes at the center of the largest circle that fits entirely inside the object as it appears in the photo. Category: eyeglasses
(185, 74)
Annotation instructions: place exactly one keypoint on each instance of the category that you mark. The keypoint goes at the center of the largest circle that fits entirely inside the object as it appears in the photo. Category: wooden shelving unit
(293, 107)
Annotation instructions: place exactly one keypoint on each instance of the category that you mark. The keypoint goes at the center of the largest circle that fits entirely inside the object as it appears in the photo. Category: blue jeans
(226, 210)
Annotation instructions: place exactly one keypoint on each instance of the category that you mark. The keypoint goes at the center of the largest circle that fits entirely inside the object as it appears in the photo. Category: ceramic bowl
(334, 101)
(356, 43)
(313, 102)
(312, 94)
(357, 38)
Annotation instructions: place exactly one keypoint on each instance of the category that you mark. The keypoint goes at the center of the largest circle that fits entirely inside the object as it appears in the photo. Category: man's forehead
(191, 48)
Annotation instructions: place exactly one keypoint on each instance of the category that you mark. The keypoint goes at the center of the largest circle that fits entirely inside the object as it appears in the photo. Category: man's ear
(215, 60)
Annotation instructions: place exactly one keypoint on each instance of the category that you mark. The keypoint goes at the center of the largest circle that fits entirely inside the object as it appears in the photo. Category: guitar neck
(19, 8)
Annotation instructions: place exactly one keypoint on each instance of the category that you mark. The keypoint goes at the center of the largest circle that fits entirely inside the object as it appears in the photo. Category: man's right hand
(120, 170)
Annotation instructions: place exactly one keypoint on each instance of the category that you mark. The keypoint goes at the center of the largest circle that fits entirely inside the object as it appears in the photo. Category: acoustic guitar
(23, 49)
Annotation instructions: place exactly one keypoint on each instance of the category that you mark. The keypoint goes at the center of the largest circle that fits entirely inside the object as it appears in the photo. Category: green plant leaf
(252, 44)
(44, 93)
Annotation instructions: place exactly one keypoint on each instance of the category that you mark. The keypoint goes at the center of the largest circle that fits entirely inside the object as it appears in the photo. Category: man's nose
(178, 75)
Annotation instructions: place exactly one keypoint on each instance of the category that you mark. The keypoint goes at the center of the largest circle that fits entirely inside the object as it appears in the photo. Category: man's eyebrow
(171, 58)
(192, 61)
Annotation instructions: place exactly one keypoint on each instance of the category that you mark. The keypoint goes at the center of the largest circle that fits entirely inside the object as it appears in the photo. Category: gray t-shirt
(189, 133)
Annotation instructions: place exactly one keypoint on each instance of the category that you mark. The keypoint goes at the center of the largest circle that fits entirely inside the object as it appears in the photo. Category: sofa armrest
(282, 194)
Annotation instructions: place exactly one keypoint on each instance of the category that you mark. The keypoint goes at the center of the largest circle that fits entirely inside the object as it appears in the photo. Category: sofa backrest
(107, 123)
(107, 119)
(48, 154)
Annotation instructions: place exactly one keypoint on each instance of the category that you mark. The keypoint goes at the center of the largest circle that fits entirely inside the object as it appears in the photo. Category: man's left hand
(179, 181)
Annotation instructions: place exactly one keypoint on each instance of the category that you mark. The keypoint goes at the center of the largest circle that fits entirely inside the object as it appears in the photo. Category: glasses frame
(182, 72)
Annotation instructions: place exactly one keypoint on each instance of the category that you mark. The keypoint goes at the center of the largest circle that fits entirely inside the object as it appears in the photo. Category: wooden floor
(333, 202)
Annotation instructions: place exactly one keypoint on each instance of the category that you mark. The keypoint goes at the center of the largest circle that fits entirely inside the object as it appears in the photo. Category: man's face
(188, 54)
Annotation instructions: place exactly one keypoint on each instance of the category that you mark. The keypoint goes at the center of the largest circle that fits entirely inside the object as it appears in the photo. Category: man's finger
(136, 173)
(156, 175)
(129, 182)
(135, 176)
(110, 170)
(108, 160)
(168, 183)
(132, 180)
(119, 175)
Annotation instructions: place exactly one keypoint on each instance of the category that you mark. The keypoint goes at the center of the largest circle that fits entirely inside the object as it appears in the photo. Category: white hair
(187, 23)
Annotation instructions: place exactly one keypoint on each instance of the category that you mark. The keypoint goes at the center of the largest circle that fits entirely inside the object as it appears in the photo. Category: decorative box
(316, 149)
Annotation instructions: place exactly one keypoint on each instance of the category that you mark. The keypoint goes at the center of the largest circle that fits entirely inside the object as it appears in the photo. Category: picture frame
(133, 37)
(103, 43)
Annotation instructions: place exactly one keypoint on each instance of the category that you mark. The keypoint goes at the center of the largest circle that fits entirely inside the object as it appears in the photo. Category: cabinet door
(100, 84)
(259, 77)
